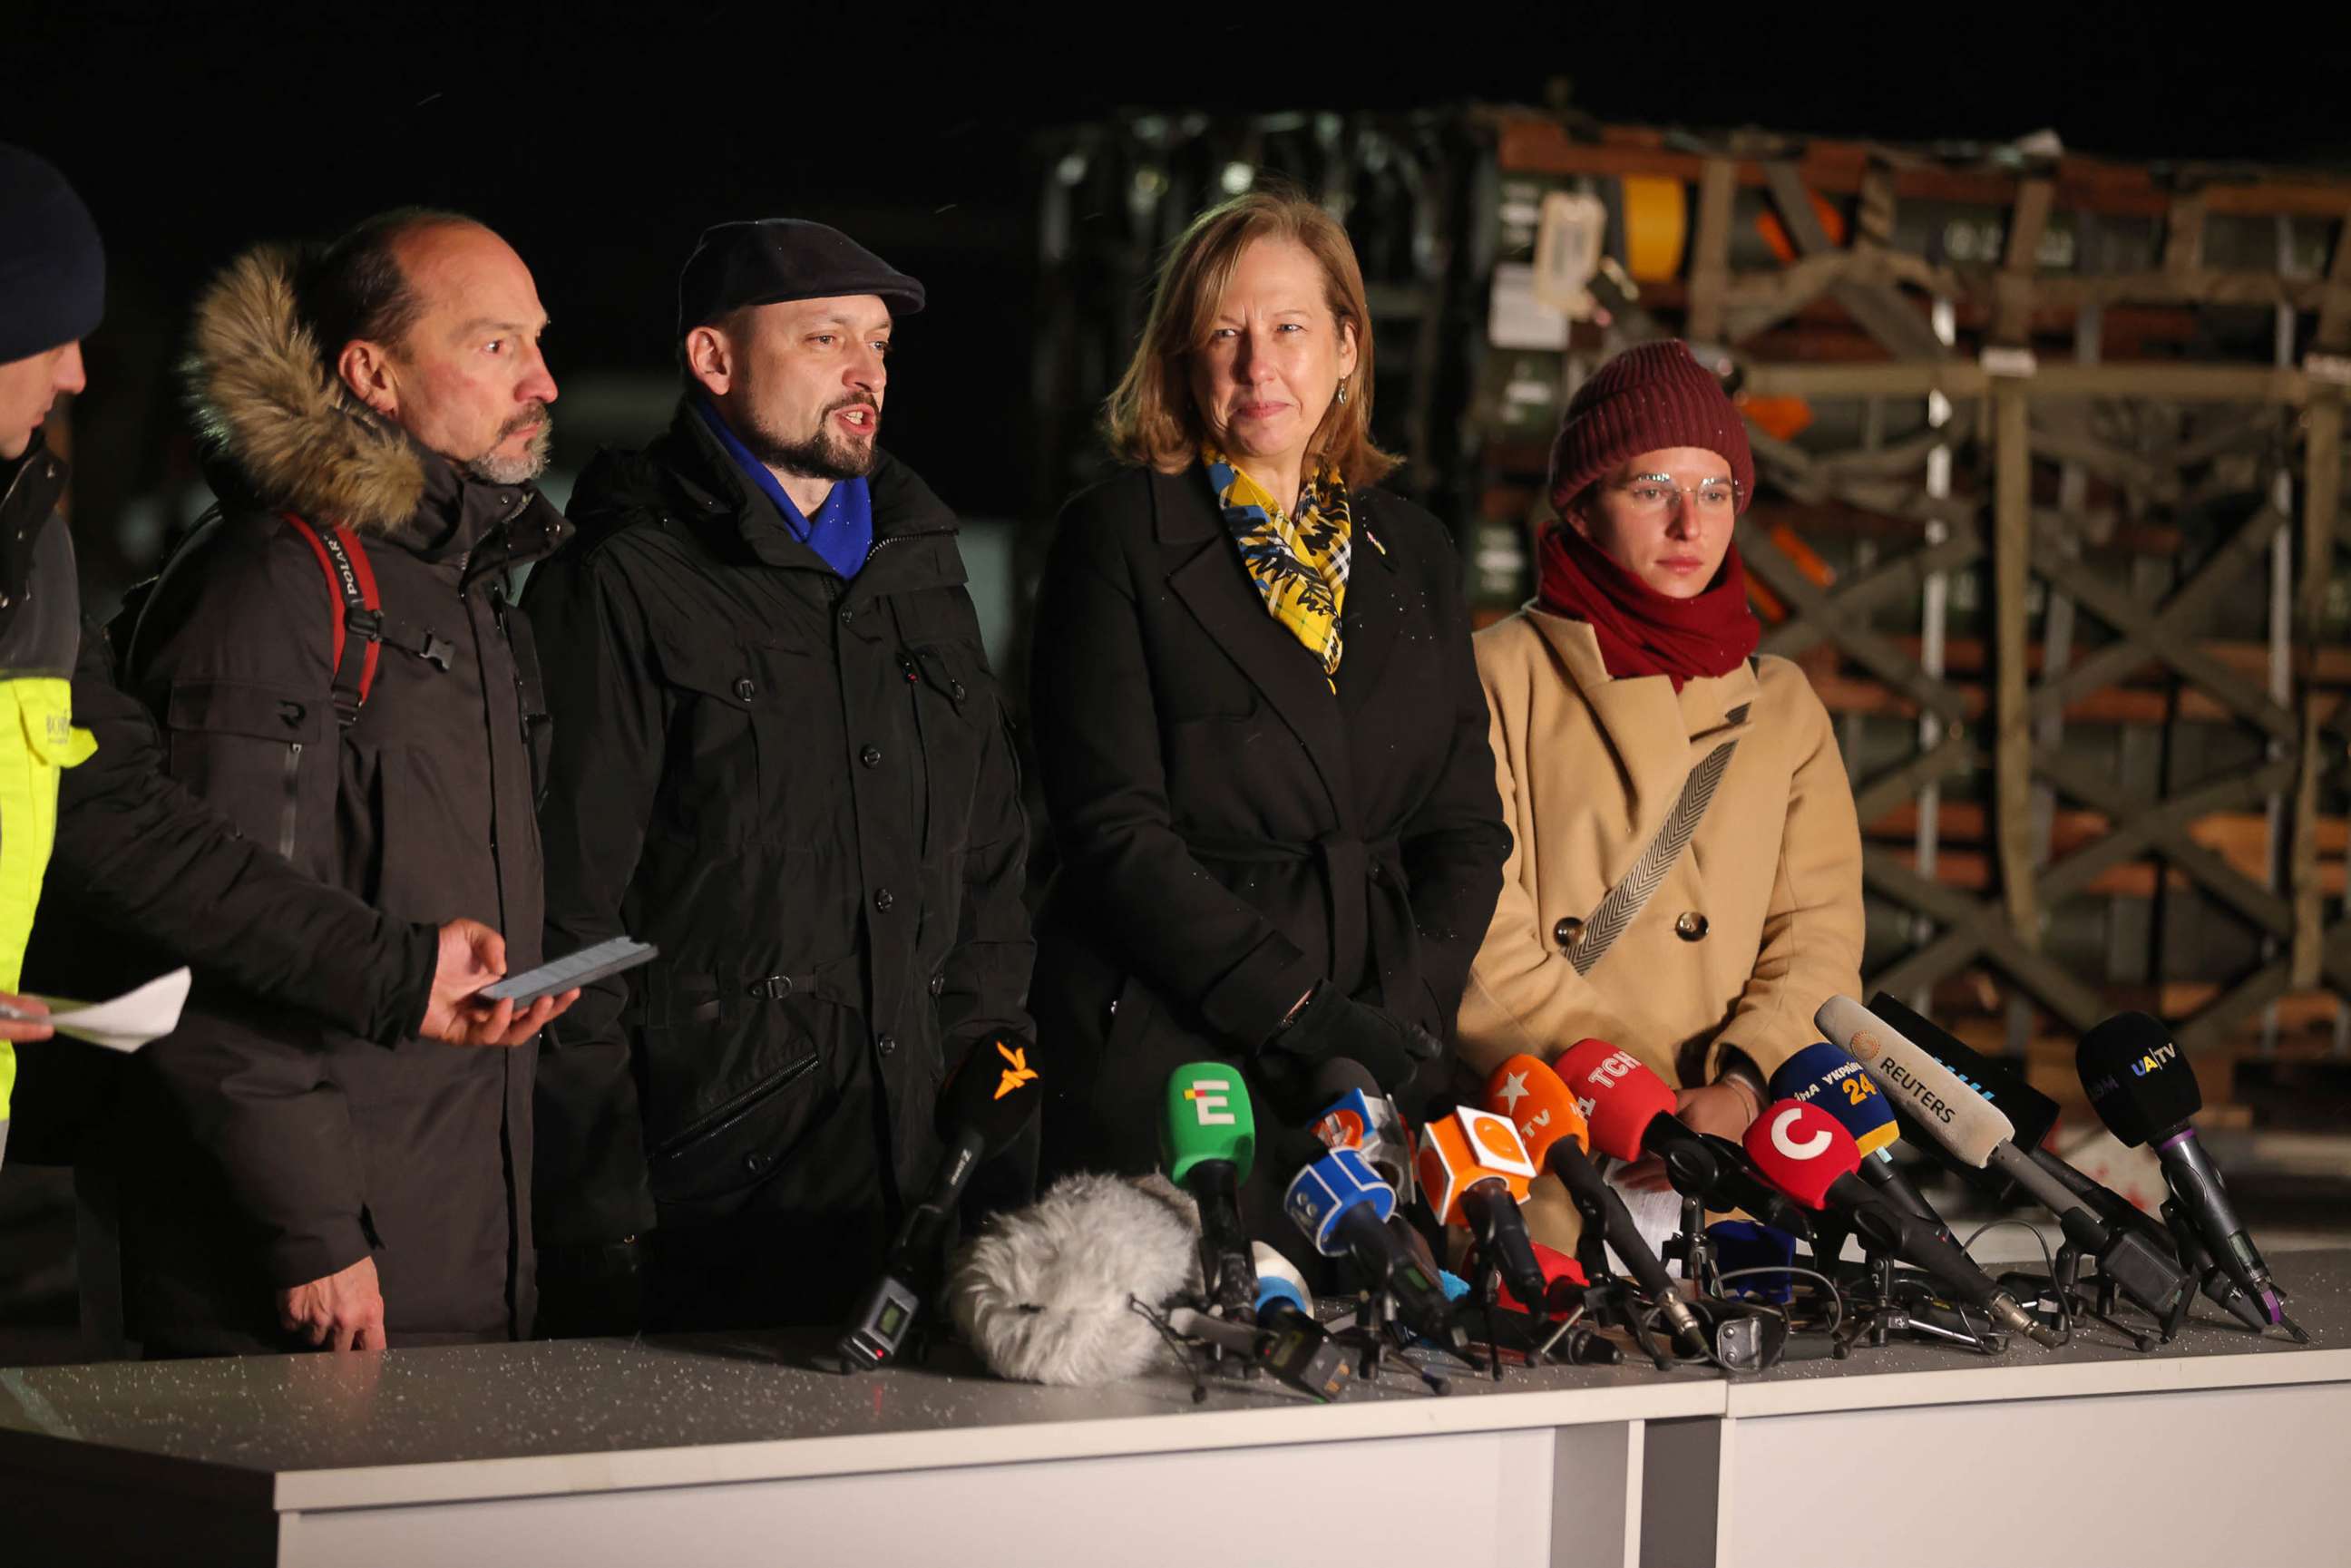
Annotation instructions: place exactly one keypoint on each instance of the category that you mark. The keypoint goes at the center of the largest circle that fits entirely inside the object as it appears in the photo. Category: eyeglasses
(1652, 494)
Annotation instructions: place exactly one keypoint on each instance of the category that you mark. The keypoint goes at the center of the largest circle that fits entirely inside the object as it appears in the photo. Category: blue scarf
(843, 529)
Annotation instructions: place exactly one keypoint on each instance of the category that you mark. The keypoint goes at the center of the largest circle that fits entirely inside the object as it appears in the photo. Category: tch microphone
(1822, 1075)
(1527, 1090)
(986, 1105)
(1358, 1115)
(1807, 1153)
(1631, 1113)
(1343, 1208)
(1207, 1135)
(2146, 1092)
(1474, 1172)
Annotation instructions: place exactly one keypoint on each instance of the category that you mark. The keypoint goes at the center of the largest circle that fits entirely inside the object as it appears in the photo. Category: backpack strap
(357, 608)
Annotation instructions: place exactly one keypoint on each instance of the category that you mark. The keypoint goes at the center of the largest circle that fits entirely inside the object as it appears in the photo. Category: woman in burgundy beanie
(1612, 695)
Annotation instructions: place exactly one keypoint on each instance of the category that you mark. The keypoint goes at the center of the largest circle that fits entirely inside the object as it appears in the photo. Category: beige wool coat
(1757, 924)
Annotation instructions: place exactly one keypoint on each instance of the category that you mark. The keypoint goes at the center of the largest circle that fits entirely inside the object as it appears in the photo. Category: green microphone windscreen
(1206, 1117)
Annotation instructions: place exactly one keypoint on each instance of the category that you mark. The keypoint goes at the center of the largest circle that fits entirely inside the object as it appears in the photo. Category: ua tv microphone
(1631, 1113)
(1822, 1075)
(985, 1106)
(1807, 1153)
(2144, 1092)
(1207, 1135)
(1357, 1115)
(1343, 1208)
(1474, 1172)
(1527, 1090)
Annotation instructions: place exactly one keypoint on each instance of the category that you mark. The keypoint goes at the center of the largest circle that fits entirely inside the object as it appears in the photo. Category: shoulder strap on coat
(357, 608)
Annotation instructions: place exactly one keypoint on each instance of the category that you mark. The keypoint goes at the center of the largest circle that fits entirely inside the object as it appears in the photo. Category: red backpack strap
(355, 606)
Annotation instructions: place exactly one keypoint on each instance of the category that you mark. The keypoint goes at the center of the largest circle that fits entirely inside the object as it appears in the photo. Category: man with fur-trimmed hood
(376, 412)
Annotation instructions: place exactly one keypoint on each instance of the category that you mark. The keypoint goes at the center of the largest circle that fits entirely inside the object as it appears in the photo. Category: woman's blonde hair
(1150, 417)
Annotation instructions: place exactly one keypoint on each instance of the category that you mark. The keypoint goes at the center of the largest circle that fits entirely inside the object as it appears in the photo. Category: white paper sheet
(130, 1020)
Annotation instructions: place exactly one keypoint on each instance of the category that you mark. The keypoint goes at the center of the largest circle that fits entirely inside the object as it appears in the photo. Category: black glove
(1334, 1024)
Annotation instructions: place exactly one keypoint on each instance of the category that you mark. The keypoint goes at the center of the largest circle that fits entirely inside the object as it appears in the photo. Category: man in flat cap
(780, 756)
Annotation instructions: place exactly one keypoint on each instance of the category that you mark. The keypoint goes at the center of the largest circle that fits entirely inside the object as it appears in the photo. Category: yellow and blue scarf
(1298, 562)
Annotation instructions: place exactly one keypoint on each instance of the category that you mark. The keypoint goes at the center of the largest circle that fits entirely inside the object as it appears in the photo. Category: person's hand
(23, 1028)
(342, 1311)
(1724, 1108)
(474, 955)
(1334, 1024)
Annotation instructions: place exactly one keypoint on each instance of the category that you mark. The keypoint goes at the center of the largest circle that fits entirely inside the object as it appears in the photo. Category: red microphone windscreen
(1802, 1150)
(1556, 1266)
(1618, 1096)
(1529, 1093)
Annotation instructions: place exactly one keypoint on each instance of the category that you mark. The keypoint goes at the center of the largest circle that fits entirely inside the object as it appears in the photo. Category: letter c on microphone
(1811, 1148)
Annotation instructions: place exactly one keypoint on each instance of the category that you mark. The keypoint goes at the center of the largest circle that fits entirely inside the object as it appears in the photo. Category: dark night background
(601, 142)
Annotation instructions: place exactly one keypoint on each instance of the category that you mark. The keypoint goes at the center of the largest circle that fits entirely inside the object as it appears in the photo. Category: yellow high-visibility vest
(37, 740)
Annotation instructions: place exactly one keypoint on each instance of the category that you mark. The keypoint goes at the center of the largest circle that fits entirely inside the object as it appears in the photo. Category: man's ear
(367, 369)
(711, 358)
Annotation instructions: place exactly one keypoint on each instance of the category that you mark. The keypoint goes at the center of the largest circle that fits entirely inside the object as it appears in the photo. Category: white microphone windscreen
(1047, 1295)
(1939, 1100)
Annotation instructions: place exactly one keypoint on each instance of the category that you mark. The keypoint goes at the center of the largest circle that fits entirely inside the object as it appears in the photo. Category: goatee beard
(827, 455)
(529, 464)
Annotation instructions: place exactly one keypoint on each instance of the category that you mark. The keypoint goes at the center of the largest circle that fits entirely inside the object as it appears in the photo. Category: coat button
(1567, 933)
(939, 984)
(883, 900)
(1689, 926)
(755, 1161)
(870, 757)
(956, 691)
(847, 616)
(886, 1043)
(745, 689)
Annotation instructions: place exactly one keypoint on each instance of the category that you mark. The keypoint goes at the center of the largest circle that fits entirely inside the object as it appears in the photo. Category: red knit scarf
(1640, 631)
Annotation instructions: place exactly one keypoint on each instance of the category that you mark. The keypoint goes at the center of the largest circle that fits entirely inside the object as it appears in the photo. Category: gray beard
(495, 470)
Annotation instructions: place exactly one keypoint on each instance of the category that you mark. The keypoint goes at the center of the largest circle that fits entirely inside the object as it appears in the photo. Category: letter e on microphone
(1210, 1102)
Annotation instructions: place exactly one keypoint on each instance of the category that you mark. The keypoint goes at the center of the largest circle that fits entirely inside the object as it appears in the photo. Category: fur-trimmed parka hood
(264, 400)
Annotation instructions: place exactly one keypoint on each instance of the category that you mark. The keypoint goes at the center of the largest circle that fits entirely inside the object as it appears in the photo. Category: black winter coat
(802, 791)
(269, 1151)
(1231, 831)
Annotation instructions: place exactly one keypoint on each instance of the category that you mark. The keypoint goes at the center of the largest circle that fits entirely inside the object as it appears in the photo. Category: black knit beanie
(52, 266)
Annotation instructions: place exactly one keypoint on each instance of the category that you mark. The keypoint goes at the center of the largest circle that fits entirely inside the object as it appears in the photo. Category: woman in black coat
(1279, 833)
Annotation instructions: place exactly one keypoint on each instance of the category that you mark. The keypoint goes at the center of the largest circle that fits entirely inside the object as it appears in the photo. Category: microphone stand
(2066, 1281)
(1691, 1247)
(1610, 1300)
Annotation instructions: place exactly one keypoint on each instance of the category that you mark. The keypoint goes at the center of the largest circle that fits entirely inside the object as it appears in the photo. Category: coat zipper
(289, 813)
(735, 1109)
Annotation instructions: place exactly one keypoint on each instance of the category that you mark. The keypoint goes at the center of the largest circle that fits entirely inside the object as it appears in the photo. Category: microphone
(1527, 1090)
(1358, 1115)
(1048, 1294)
(1974, 1134)
(983, 1108)
(1343, 1208)
(1631, 1111)
(1207, 1135)
(1474, 1172)
(2144, 1092)
(1296, 1348)
(1807, 1153)
(1563, 1277)
(1822, 1075)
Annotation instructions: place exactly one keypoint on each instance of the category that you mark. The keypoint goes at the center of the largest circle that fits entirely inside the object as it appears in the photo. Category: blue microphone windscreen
(1822, 1075)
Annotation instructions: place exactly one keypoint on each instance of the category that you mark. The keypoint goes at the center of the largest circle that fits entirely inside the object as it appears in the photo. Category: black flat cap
(764, 261)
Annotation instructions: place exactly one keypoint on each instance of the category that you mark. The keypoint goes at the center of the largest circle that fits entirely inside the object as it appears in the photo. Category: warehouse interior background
(2087, 638)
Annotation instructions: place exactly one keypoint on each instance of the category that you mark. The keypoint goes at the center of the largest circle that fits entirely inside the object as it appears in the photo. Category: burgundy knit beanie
(1653, 395)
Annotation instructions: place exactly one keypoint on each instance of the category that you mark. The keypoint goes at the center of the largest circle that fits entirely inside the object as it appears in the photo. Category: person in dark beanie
(1633, 667)
(780, 756)
(134, 853)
